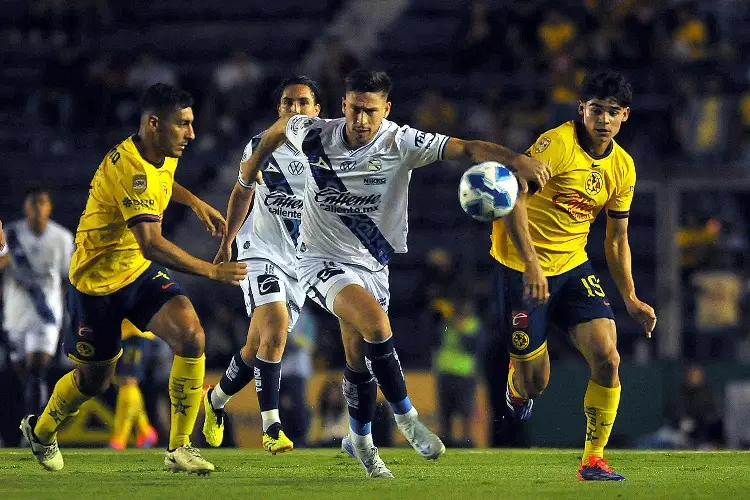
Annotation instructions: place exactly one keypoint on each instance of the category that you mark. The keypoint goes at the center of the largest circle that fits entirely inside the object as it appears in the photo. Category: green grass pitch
(326, 474)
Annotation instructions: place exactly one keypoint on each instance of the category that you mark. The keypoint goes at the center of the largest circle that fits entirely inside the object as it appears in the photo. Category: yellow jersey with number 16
(560, 215)
(126, 189)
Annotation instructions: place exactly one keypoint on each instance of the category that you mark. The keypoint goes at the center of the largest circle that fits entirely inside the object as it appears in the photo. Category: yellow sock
(513, 391)
(185, 388)
(64, 402)
(126, 410)
(600, 406)
(142, 424)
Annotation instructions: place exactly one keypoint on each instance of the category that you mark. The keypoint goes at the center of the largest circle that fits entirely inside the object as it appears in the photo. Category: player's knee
(375, 327)
(273, 342)
(94, 382)
(534, 387)
(192, 340)
(607, 364)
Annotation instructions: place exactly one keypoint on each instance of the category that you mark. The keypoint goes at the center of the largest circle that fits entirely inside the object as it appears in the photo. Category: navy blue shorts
(575, 297)
(136, 352)
(95, 335)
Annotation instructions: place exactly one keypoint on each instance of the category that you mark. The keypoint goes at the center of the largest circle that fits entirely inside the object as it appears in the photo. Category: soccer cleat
(117, 445)
(347, 446)
(188, 459)
(46, 454)
(147, 439)
(213, 423)
(520, 408)
(422, 439)
(372, 463)
(275, 441)
(597, 469)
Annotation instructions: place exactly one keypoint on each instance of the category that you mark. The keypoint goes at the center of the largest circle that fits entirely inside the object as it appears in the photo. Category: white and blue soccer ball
(488, 191)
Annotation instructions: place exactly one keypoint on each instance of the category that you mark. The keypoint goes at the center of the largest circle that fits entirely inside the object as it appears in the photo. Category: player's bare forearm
(271, 140)
(617, 251)
(240, 201)
(4, 261)
(517, 224)
(182, 195)
(479, 151)
(157, 248)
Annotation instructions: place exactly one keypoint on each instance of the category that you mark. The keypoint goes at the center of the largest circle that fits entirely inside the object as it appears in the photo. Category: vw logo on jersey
(347, 166)
(296, 167)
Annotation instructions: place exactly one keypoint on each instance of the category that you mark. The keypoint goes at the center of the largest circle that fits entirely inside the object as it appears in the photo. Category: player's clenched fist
(229, 272)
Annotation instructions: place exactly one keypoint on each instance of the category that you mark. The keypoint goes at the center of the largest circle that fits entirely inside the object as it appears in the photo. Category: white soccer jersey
(356, 199)
(32, 281)
(272, 227)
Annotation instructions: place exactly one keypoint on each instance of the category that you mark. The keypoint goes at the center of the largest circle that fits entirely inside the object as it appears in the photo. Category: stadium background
(72, 72)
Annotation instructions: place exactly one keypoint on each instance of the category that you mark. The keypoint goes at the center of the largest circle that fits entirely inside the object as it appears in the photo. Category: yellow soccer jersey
(126, 189)
(560, 215)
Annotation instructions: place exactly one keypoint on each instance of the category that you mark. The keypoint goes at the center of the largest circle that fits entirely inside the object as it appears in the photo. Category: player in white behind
(266, 242)
(36, 262)
(354, 219)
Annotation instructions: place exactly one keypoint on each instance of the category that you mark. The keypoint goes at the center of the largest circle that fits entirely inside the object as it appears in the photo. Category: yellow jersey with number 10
(560, 215)
(126, 189)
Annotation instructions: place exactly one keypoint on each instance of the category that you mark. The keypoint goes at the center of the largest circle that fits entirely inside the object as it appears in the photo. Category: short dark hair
(161, 99)
(297, 80)
(365, 80)
(607, 84)
(36, 191)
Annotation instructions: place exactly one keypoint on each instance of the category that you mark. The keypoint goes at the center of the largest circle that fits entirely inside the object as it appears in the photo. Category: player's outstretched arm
(157, 248)
(209, 216)
(4, 257)
(617, 250)
(240, 201)
(527, 169)
(535, 286)
(272, 139)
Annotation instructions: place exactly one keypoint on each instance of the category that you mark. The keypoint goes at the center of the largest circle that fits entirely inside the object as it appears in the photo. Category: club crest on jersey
(594, 183)
(543, 144)
(374, 165)
(296, 167)
(347, 166)
(139, 183)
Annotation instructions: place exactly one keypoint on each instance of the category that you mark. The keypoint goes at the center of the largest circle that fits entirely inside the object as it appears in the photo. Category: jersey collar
(580, 131)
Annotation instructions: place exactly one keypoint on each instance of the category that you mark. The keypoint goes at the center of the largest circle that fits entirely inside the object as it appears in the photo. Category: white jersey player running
(37, 259)
(355, 218)
(266, 242)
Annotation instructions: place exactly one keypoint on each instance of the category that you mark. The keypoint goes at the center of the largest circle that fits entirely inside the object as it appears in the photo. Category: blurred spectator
(455, 365)
(435, 113)
(148, 70)
(719, 290)
(225, 330)
(564, 79)
(476, 41)
(696, 239)
(339, 61)
(296, 370)
(105, 88)
(638, 41)
(54, 103)
(231, 97)
(333, 413)
(556, 31)
(439, 275)
(690, 36)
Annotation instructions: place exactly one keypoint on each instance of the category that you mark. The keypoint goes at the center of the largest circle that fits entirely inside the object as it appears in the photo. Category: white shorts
(324, 279)
(38, 337)
(265, 282)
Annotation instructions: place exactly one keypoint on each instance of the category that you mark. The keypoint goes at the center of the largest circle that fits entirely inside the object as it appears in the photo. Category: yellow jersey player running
(119, 271)
(545, 275)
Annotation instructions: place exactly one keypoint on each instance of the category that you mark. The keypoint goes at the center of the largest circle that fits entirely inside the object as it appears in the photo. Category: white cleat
(347, 446)
(188, 459)
(46, 454)
(370, 459)
(422, 439)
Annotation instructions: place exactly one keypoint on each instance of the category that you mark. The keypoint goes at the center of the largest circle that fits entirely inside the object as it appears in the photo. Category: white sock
(270, 417)
(219, 398)
(407, 417)
(360, 441)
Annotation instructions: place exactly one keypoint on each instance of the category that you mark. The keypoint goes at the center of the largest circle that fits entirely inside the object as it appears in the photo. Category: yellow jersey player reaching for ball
(119, 270)
(545, 275)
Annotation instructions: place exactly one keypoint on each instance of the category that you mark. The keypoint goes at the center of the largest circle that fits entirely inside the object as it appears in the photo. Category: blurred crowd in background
(502, 71)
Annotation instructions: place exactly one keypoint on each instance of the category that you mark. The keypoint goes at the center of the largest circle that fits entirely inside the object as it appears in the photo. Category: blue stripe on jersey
(362, 226)
(24, 268)
(276, 181)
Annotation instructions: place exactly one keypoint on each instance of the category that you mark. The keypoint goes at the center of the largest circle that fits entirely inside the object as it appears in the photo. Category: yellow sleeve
(619, 204)
(549, 148)
(136, 192)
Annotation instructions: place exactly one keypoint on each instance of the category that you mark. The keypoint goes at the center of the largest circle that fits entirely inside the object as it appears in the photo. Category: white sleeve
(298, 127)
(245, 155)
(67, 255)
(419, 148)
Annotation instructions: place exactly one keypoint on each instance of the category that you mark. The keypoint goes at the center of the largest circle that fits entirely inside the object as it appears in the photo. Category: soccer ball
(488, 191)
